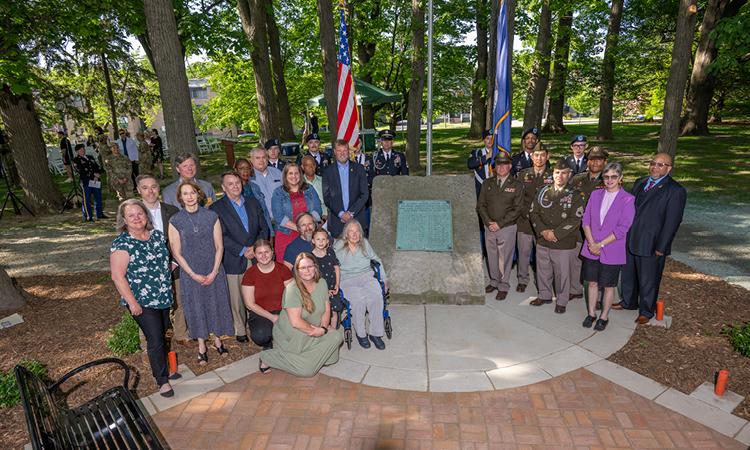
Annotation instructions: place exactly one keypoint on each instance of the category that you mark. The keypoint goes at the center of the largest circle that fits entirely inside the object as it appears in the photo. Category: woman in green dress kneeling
(303, 338)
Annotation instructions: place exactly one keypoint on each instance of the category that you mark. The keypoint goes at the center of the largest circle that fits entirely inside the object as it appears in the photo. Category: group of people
(578, 223)
(122, 159)
(275, 255)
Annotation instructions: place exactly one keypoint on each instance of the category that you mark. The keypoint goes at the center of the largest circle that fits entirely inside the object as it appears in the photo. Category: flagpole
(429, 89)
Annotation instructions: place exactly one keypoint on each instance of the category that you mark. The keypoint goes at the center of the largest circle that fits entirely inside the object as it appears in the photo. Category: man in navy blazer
(345, 190)
(242, 223)
(659, 205)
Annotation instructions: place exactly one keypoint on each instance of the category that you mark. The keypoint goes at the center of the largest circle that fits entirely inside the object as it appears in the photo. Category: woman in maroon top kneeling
(262, 288)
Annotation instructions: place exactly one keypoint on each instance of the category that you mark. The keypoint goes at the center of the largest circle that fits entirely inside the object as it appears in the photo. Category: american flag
(347, 117)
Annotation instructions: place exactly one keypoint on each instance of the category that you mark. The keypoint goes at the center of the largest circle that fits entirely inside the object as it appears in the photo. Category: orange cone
(721, 382)
(660, 310)
(172, 358)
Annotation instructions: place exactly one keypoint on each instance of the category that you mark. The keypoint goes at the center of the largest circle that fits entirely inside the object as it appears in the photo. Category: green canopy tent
(367, 94)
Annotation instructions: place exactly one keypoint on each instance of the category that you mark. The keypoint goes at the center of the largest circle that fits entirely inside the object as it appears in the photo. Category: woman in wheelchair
(359, 285)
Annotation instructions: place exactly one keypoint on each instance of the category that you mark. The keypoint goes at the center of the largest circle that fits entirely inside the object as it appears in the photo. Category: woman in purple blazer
(606, 221)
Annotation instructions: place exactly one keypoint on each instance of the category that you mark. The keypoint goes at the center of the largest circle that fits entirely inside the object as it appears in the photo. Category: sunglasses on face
(658, 164)
(611, 177)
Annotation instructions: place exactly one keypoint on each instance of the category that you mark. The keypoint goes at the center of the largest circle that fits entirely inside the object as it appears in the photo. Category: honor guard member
(499, 206)
(364, 160)
(522, 160)
(388, 161)
(532, 179)
(577, 158)
(480, 161)
(556, 214)
(313, 149)
(590, 180)
(273, 146)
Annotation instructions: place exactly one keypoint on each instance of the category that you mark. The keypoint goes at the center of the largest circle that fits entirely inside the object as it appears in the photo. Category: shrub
(739, 336)
(9, 393)
(124, 339)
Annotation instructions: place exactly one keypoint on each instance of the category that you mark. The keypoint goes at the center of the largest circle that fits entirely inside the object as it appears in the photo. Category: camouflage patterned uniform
(118, 173)
(145, 159)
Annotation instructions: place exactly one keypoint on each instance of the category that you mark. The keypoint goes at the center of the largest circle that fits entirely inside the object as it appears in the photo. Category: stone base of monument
(426, 231)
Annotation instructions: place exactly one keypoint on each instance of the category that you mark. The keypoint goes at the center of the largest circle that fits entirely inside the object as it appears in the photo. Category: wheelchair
(345, 316)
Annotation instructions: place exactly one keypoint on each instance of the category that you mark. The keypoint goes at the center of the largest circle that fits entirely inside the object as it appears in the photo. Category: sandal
(261, 368)
(203, 358)
(221, 350)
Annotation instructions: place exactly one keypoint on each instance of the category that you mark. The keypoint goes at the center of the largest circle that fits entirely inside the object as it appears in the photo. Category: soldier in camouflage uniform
(556, 214)
(145, 157)
(118, 169)
(585, 182)
(532, 178)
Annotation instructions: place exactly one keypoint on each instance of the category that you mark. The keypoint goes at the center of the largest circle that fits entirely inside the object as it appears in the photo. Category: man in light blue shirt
(187, 166)
(266, 177)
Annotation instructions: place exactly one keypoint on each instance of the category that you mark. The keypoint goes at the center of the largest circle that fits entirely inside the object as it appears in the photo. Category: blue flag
(501, 111)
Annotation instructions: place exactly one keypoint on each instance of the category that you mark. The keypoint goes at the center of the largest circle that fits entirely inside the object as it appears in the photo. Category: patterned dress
(206, 307)
(148, 271)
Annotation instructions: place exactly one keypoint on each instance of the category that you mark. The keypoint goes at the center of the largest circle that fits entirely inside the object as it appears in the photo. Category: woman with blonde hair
(359, 285)
(303, 338)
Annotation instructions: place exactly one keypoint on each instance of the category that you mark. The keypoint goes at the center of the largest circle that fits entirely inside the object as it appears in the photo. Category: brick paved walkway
(576, 410)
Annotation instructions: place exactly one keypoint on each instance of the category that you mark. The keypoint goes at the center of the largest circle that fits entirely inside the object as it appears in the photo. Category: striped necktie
(649, 185)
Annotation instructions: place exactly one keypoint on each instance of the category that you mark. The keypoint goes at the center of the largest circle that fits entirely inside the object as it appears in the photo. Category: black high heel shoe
(221, 350)
(202, 358)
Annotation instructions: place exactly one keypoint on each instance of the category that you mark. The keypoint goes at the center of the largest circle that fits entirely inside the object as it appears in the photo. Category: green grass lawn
(713, 168)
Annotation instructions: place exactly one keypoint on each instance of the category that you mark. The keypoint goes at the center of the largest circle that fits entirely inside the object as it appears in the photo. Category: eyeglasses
(579, 145)
(611, 177)
(658, 164)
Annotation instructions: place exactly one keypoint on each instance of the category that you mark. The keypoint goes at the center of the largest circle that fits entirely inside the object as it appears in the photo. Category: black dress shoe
(175, 376)
(501, 295)
(601, 324)
(167, 394)
(573, 297)
(521, 288)
(588, 321)
(560, 309)
(242, 339)
(539, 302)
(378, 341)
(489, 288)
(363, 341)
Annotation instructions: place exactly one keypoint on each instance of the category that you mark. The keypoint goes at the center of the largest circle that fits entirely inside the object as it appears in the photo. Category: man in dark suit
(242, 223)
(313, 149)
(160, 213)
(388, 161)
(345, 190)
(577, 158)
(659, 205)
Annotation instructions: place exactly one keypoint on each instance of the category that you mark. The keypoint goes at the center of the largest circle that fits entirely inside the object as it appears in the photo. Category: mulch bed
(693, 349)
(66, 324)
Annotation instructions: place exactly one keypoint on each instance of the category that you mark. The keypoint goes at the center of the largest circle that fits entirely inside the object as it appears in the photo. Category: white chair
(54, 160)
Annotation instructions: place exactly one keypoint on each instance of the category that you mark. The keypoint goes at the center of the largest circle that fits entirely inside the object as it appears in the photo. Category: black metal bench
(112, 420)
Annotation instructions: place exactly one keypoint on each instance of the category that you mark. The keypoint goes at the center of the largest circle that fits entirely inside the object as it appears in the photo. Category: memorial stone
(425, 231)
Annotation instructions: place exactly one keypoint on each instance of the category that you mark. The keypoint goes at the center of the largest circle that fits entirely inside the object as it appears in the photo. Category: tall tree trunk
(701, 87)
(532, 111)
(604, 130)
(556, 106)
(366, 47)
(110, 94)
(169, 67)
(479, 87)
(678, 72)
(414, 112)
(330, 69)
(253, 16)
(24, 135)
(286, 127)
(11, 296)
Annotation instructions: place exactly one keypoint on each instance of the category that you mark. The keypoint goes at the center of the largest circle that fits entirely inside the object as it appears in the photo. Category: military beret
(534, 131)
(386, 135)
(312, 137)
(561, 164)
(486, 133)
(271, 142)
(598, 153)
(502, 158)
(578, 138)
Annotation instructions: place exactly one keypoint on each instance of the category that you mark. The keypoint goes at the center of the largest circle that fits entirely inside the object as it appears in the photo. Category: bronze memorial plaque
(425, 225)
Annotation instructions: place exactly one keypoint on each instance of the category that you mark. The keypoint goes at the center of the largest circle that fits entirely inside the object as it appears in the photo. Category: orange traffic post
(172, 363)
(660, 310)
(721, 382)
